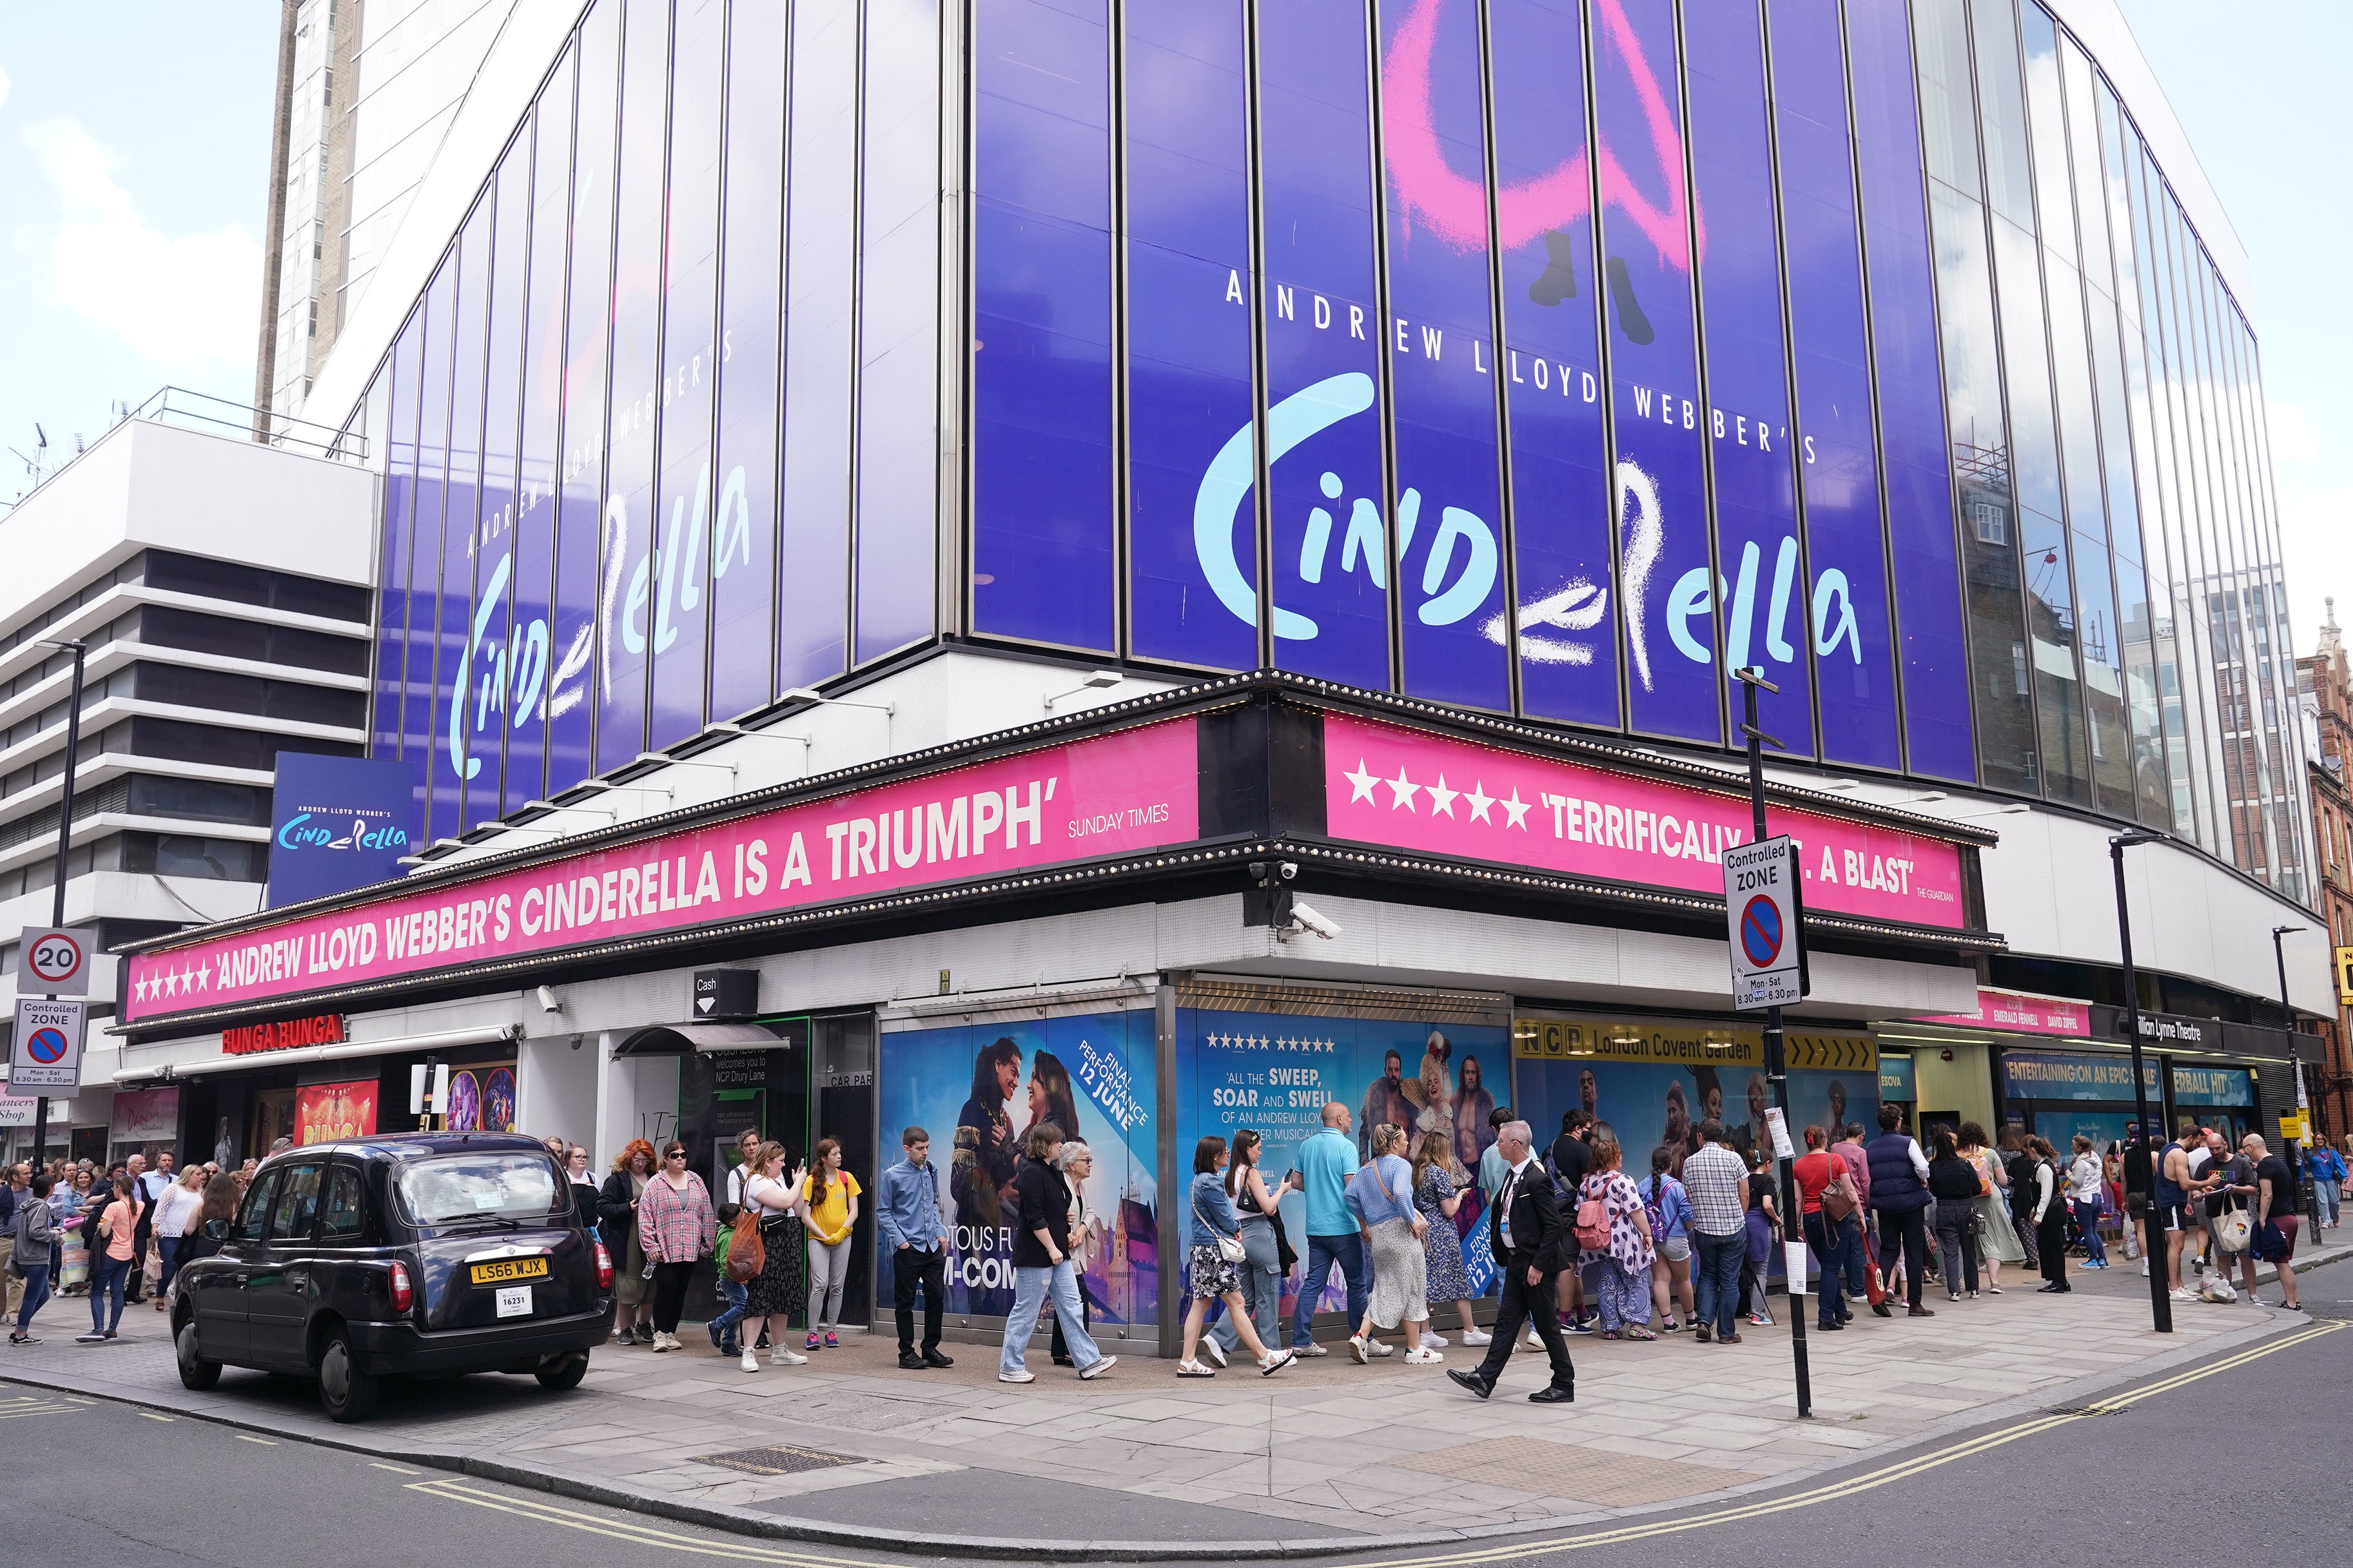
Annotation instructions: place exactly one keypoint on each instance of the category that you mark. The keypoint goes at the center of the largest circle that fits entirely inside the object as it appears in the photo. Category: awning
(676, 1039)
(446, 1040)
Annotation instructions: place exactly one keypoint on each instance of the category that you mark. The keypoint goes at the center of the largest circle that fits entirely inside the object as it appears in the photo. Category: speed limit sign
(54, 960)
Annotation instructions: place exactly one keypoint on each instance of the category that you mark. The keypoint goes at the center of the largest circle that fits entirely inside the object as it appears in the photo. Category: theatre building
(1154, 567)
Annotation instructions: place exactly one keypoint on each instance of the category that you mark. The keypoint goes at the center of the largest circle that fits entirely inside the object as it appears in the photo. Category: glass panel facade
(1550, 357)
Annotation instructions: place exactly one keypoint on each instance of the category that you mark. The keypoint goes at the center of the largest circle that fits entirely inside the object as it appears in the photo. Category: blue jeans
(723, 1326)
(1837, 1247)
(167, 1251)
(106, 1279)
(1322, 1251)
(2328, 1190)
(37, 1292)
(1031, 1289)
(2087, 1220)
(1261, 1290)
(1716, 1277)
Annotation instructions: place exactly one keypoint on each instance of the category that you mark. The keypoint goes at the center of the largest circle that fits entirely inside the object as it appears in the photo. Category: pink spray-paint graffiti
(1455, 208)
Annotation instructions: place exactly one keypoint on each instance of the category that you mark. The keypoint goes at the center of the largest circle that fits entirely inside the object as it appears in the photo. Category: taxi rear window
(450, 1189)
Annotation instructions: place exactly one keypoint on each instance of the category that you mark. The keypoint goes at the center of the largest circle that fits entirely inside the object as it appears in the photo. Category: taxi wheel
(195, 1371)
(345, 1391)
(563, 1376)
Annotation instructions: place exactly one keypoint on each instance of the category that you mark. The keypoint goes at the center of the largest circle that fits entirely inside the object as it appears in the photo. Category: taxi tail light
(402, 1296)
(604, 1267)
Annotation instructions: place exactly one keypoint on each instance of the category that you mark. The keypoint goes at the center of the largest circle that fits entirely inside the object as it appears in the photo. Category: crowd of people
(1582, 1246)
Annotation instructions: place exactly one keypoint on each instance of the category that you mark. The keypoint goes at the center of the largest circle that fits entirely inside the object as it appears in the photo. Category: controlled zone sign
(1761, 910)
(55, 960)
(46, 1052)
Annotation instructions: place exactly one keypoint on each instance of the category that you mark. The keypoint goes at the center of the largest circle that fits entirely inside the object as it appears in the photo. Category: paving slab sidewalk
(1328, 1455)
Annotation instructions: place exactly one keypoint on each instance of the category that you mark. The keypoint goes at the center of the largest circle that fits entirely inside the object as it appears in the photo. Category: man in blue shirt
(917, 1241)
(1326, 1160)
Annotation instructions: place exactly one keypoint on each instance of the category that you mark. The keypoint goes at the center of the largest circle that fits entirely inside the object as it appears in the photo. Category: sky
(135, 175)
(2259, 87)
(133, 180)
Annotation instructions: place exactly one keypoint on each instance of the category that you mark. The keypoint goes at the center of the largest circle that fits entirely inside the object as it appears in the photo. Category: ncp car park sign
(1761, 910)
(54, 960)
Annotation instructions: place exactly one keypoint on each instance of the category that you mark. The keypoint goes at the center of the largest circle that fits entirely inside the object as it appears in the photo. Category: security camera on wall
(1303, 914)
(549, 1002)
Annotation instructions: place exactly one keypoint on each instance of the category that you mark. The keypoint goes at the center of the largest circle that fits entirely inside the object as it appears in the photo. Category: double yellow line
(526, 1506)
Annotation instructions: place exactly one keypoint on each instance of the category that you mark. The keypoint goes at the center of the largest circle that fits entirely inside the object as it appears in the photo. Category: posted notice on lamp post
(1760, 898)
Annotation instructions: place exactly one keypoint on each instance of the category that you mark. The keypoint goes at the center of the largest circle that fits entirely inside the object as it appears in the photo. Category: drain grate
(780, 1459)
(2084, 1410)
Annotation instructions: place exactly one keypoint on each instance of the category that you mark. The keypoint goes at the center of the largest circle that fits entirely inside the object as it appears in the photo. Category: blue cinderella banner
(338, 823)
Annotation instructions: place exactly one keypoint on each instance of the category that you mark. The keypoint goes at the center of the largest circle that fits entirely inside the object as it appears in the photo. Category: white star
(141, 987)
(1401, 790)
(1441, 799)
(204, 978)
(1481, 801)
(1517, 810)
(1360, 782)
(171, 983)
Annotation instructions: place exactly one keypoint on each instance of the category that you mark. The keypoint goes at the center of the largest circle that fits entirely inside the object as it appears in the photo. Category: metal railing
(192, 410)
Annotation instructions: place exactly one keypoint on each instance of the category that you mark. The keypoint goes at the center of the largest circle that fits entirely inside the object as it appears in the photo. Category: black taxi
(430, 1252)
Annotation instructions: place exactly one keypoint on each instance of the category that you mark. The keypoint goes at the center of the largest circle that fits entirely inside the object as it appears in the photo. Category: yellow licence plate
(511, 1269)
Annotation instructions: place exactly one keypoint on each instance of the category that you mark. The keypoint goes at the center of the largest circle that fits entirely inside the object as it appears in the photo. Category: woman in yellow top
(831, 1195)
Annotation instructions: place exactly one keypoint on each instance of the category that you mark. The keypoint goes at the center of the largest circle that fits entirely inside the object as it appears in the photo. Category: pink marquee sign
(1408, 789)
(1112, 794)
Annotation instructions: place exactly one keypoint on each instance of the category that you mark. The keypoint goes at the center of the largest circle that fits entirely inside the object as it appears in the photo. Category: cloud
(2292, 440)
(185, 301)
(2317, 541)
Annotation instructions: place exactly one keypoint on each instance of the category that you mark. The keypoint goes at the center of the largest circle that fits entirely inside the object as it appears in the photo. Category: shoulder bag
(1838, 1197)
(1229, 1248)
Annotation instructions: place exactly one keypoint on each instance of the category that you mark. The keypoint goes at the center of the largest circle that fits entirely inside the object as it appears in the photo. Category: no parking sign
(45, 1054)
(1761, 906)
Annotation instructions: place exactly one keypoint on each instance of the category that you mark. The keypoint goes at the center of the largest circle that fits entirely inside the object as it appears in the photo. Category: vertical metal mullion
(1389, 486)
(855, 425)
(1123, 493)
(968, 309)
(1794, 442)
(1612, 497)
(563, 351)
(702, 565)
(1506, 528)
(1261, 458)
(1698, 335)
(527, 140)
(783, 331)
(661, 364)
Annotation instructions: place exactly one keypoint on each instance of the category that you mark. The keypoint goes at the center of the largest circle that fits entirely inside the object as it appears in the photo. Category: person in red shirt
(1833, 1238)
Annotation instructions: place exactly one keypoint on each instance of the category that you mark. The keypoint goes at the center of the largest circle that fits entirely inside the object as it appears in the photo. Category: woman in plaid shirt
(676, 1226)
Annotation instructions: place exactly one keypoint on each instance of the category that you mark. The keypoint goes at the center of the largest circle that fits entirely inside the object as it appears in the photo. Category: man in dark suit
(1531, 1242)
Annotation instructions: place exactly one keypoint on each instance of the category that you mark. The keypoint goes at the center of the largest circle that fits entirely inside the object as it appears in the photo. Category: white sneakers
(1381, 1347)
(1534, 1342)
(1214, 1350)
(1433, 1342)
(780, 1356)
(663, 1341)
(1311, 1348)
(1478, 1337)
(1358, 1351)
(751, 1359)
(1422, 1355)
(1095, 1369)
(1017, 1377)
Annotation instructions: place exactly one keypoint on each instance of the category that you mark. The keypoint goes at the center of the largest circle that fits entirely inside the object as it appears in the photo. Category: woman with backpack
(1670, 1211)
(1613, 1234)
(1953, 1181)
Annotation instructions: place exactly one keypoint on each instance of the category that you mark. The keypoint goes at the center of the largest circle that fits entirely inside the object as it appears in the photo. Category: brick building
(2325, 691)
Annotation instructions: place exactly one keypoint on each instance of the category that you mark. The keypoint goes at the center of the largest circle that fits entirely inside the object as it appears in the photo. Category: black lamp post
(2161, 1301)
(2296, 1065)
(80, 651)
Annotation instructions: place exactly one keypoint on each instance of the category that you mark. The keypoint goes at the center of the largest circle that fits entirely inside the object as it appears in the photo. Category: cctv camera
(549, 1002)
(1258, 870)
(1322, 925)
(1289, 870)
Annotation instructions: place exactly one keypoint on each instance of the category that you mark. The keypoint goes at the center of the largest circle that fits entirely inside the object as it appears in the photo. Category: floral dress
(1441, 1244)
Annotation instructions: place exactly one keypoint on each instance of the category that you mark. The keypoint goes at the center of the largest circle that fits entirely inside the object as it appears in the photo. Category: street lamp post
(2160, 1300)
(80, 651)
(2296, 1065)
